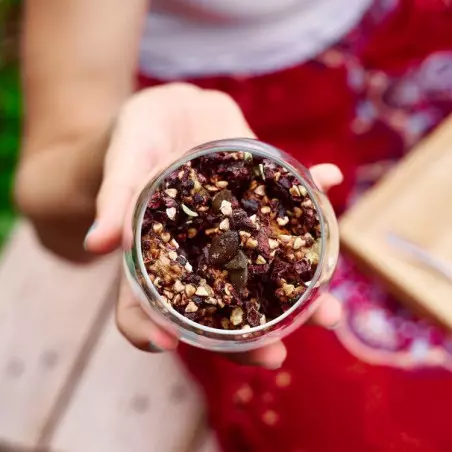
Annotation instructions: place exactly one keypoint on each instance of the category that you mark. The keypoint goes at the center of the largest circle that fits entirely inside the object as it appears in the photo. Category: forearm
(79, 60)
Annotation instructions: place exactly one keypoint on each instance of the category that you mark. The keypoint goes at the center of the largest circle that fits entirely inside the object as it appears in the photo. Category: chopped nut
(262, 320)
(312, 256)
(203, 209)
(282, 221)
(202, 292)
(177, 299)
(166, 237)
(253, 219)
(297, 212)
(157, 281)
(298, 243)
(188, 211)
(171, 213)
(285, 238)
(157, 227)
(190, 290)
(288, 289)
(294, 191)
(171, 192)
(261, 171)
(260, 260)
(211, 300)
(191, 233)
(251, 243)
(188, 267)
(222, 184)
(191, 307)
(302, 190)
(178, 286)
(266, 209)
(246, 327)
(172, 255)
(244, 234)
(227, 289)
(247, 156)
(212, 188)
(174, 244)
(226, 208)
(277, 176)
(237, 316)
(260, 190)
(168, 294)
(273, 244)
(224, 225)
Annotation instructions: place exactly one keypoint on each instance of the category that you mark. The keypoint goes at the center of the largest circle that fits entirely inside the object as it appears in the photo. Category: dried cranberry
(250, 205)
(303, 268)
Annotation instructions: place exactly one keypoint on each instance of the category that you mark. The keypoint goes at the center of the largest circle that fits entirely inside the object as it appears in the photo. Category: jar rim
(254, 147)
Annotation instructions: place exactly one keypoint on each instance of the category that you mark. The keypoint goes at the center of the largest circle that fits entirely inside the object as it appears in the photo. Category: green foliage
(10, 115)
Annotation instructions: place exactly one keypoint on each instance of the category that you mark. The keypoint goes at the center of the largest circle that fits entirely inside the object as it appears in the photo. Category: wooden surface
(415, 201)
(129, 400)
(68, 381)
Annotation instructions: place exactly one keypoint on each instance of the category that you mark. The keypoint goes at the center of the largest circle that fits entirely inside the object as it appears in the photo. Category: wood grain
(129, 400)
(47, 310)
(414, 201)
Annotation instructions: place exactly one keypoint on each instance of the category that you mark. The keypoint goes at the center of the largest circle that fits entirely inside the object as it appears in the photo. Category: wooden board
(48, 312)
(129, 400)
(415, 201)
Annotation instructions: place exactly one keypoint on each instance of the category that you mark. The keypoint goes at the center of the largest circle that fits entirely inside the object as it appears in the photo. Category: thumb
(130, 161)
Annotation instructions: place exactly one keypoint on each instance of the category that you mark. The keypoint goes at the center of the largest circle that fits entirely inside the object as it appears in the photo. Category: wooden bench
(68, 381)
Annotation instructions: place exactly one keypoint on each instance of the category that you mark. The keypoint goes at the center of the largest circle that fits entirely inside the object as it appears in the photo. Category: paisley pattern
(381, 381)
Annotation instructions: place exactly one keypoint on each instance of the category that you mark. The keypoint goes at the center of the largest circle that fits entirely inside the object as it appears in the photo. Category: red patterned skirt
(382, 381)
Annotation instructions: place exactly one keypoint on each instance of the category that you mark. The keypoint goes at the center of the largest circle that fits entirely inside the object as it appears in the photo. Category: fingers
(137, 327)
(328, 314)
(128, 164)
(270, 357)
(326, 176)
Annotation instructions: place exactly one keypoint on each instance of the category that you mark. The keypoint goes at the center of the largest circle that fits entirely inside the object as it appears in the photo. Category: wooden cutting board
(414, 200)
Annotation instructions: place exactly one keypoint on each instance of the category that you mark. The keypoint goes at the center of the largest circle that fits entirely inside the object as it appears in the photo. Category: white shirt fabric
(195, 38)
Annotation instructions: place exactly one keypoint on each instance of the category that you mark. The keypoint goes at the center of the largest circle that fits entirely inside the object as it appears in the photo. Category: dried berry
(250, 205)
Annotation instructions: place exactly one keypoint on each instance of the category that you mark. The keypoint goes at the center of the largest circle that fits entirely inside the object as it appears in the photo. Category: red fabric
(361, 104)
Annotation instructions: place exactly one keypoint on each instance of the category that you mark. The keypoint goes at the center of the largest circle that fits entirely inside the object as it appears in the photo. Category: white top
(185, 38)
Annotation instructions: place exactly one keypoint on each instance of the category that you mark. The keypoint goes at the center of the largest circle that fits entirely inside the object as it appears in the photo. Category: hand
(156, 127)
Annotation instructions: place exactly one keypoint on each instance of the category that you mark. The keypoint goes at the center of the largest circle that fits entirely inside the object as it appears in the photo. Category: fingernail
(90, 230)
(154, 348)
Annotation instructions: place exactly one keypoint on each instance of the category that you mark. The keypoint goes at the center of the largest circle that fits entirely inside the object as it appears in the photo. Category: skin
(103, 149)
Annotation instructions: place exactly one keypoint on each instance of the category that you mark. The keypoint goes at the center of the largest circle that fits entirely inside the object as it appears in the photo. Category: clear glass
(234, 340)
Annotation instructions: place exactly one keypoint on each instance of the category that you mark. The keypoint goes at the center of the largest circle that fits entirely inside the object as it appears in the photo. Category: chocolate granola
(231, 240)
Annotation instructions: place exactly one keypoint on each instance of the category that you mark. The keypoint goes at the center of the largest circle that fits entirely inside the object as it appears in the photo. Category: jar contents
(231, 240)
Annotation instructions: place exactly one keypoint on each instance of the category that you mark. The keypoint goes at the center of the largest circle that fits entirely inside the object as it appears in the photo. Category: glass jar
(246, 339)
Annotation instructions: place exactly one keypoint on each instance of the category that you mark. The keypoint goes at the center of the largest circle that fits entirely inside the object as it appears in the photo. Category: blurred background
(75, 385)
(42, 365)
(10, 106)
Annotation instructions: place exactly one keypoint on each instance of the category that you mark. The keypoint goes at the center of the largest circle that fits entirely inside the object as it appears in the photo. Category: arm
(79, 59)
